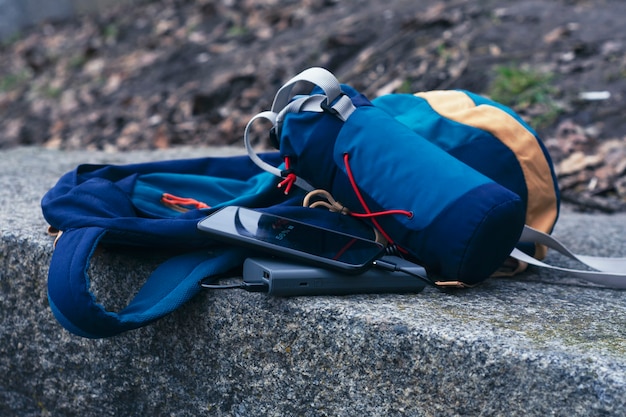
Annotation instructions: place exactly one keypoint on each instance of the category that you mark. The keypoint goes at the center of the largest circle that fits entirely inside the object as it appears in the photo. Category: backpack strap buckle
(343, 107)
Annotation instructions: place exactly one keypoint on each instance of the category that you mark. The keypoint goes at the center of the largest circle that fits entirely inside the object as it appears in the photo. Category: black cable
(213, 284)
(248, 286)
(221, 286)
(390, 266)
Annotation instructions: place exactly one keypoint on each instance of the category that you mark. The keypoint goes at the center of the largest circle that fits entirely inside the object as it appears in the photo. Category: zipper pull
(181, 204)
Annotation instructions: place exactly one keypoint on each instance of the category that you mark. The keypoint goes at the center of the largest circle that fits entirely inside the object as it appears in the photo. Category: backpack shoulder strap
(609, 272)
(172, 284)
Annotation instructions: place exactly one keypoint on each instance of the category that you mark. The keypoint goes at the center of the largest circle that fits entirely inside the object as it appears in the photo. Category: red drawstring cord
(290, 179)
(178, 203)
(381, 213)
(369, 213)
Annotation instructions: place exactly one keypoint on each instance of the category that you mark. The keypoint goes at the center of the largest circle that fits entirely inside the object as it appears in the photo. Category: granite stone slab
(540, 344)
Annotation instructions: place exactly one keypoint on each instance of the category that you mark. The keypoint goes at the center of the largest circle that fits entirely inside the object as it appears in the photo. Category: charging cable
(212, 283)
(440, 285)
(390, 266)
(247, 286)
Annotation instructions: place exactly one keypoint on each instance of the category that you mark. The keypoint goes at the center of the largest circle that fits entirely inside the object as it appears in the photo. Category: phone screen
(291, 238)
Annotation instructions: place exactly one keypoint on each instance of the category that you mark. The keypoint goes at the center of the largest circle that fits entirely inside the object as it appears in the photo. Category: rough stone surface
(540, 344)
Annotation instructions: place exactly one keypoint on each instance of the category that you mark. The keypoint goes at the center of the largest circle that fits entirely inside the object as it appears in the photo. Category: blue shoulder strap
(171, 285)
(101, 204)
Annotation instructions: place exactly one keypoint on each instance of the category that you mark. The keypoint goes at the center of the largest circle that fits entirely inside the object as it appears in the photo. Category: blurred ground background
(164, 73)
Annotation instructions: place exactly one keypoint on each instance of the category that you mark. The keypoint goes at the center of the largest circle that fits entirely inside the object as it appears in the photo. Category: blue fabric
(395, 168)
(415, 113)
(473, 236)
(471, 145)
(94, 204)
(477, 148)
(461, 218)
(120, 206)
(212, 190)
(174, 283)
(392, 163)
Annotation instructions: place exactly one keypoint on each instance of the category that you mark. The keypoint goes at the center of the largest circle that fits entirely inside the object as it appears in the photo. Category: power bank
(286, 279)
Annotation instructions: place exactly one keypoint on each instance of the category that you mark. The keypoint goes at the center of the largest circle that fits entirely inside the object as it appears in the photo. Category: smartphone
(292, 239)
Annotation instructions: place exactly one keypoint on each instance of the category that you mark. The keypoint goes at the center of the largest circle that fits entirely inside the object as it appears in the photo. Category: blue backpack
(436, 209)
(432, 175)
(456, 182)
